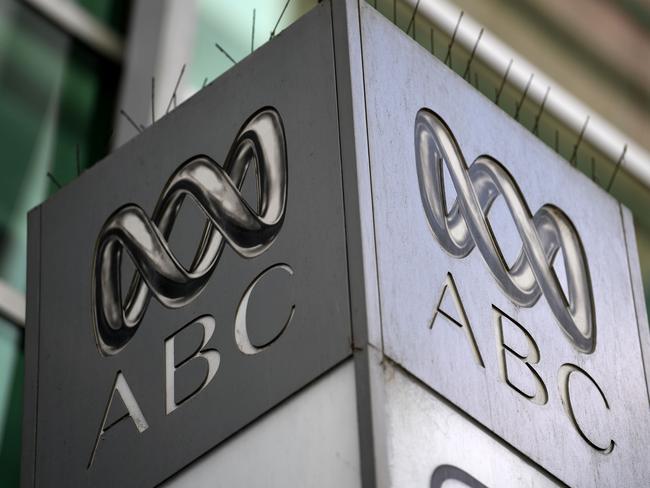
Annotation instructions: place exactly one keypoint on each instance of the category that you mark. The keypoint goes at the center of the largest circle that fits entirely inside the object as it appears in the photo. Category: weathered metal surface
(364, 199)
(431, 444)
(520, 313)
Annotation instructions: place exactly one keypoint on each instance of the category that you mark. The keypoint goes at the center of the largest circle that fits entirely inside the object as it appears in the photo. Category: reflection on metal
(241, 327)
(465, 225)
(216, 190)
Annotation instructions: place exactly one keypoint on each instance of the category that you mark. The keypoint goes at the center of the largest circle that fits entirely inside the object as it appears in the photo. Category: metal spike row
(173, 98)
(471, 56)
(574, 154)
(453, 39)
(523, 97)
(130, 120)
(412, 21)
(541, 110)
(278, 21)
(503, 83)
(54, 180)
(616, 168)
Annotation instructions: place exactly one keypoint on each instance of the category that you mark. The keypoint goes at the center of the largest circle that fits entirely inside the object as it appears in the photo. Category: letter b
(540, 396)
(211, 356)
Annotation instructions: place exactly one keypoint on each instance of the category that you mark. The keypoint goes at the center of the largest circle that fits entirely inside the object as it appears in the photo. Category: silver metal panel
(427, 436)
(360, 231)
(637, 287)
(310, 441)
(401, 79)
(360, 235)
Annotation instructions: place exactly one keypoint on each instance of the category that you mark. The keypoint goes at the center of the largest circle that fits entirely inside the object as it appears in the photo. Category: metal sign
(207, 271)
(216, 190)
(535, 334)
(186, 285)
(465, 226)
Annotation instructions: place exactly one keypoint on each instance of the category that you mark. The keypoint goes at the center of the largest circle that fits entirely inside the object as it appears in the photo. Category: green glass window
(56, 115)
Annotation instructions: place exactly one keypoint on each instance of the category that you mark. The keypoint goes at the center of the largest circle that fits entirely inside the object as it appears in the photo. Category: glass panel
(56, 99)
(11, 402)
(112, 12)
(230, 24)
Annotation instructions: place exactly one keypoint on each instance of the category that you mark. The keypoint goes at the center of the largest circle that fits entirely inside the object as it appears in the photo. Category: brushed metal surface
(430, 444)
(486, 378)
(465, 225)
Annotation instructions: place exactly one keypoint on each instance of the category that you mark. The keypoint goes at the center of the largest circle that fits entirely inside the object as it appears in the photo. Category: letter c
(241, 327)
(564, 376)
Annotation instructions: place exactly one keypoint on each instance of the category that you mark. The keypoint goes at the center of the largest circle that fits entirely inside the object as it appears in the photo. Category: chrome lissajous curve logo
(216, 190)
(465, 225)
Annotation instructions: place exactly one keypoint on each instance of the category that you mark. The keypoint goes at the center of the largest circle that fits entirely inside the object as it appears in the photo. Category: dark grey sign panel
(504, 273)
(137, 377)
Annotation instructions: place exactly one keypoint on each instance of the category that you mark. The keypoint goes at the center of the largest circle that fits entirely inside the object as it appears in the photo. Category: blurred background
(79, 78)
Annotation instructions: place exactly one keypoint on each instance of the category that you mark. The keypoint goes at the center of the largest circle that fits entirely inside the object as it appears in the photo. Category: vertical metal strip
(32, 336)
(360, 236)
(356, 170)
(634, 272)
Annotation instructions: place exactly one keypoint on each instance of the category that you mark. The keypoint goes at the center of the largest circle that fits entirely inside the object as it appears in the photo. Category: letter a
(461, 321)
(121, 387)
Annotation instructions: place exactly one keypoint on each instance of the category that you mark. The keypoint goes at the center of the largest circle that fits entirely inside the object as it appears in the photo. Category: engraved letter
(211, 356)
(564, 375)
(241, 328)
(121, 387)
(462, 321)
(540, 396)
